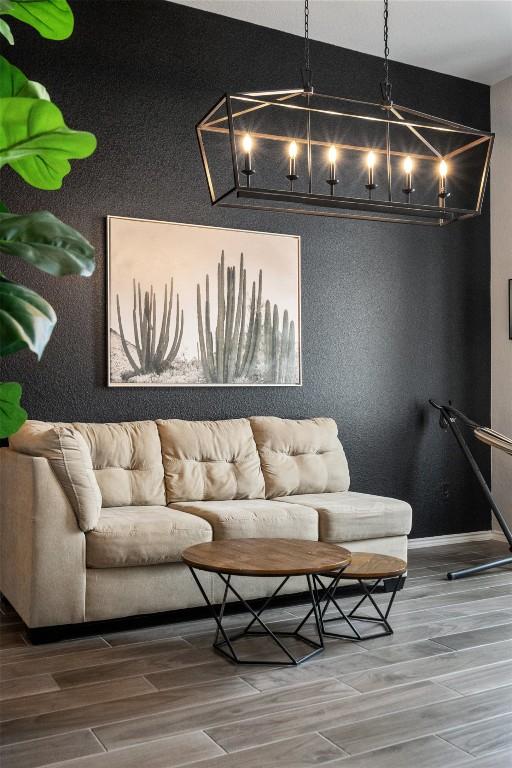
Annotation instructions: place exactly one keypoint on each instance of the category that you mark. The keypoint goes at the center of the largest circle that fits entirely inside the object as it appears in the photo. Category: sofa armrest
(42, 549)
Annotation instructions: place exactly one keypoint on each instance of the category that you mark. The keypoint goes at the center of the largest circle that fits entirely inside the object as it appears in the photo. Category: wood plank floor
(436, 694)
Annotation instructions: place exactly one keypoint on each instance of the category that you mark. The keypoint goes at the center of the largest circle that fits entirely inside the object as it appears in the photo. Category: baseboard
(456, 538)
(498, 536)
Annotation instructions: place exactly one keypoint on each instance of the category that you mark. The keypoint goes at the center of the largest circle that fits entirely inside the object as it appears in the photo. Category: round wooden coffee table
(265, 557)
(371, 571)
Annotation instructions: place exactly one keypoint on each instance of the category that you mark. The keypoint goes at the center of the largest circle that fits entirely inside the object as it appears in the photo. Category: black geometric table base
(226, 645)
(380, 617)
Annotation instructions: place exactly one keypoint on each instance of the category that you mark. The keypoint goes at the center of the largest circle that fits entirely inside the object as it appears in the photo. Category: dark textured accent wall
(392, 314)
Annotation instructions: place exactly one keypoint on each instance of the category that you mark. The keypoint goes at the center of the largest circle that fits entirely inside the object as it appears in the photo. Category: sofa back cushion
(70, 459)
(210, 460)
(300, 456)
(127, 462)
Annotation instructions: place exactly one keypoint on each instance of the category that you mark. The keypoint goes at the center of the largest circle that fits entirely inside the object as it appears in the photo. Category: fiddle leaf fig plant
(26, 319)
(47, 243)
(36, 144)
(5, 31)
(53, 19)
(14, 83)
(12, 415)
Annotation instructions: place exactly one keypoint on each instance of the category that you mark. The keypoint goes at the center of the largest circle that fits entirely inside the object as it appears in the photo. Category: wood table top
(266, 557)
(368, 565)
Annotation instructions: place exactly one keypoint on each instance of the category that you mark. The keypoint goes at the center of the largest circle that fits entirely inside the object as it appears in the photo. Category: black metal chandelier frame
(225, 119)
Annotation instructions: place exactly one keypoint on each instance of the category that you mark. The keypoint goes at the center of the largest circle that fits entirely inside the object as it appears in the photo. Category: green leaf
(26, 319)
(5, 31)
(53, 19)
(37, 144)
(3, 207)
(14, 83)
(12, 415)
(47, 243)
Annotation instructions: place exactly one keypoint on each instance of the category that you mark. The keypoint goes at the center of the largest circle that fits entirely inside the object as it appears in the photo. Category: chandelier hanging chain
(307, 61)
(306, 72)
(386, 84)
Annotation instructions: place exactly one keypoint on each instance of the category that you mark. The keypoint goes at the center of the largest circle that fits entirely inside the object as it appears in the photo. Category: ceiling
(466, 38)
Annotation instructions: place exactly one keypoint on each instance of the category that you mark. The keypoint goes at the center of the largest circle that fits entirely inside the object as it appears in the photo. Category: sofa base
(113, 593)
(51, 634)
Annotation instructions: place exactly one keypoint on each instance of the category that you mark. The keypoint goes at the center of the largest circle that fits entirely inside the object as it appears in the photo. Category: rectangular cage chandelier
(297, 151)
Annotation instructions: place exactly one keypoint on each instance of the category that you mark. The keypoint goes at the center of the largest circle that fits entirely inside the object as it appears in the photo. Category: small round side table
(265, 557)
(370, 571)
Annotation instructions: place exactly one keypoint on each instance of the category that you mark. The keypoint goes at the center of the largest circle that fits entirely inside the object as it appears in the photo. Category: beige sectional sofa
(94, 517)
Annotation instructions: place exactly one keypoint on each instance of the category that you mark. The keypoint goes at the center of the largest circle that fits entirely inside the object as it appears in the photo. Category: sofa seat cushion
(255, 518)
(143, 536)
(350, 516)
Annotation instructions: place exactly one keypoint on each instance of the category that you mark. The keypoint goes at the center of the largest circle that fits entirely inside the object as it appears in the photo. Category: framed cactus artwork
(199, 306)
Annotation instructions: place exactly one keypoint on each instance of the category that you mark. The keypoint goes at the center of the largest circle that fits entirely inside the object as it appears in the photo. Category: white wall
(501, 272)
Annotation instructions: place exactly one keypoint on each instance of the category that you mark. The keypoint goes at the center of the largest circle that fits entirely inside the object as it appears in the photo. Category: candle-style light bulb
(332, 180)
(442, 194)
(292, 171)
(407, 188)
(370, 161)
(247, 170)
